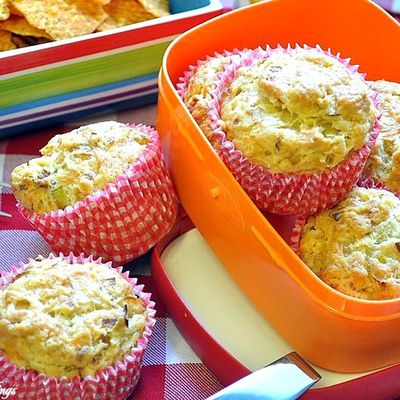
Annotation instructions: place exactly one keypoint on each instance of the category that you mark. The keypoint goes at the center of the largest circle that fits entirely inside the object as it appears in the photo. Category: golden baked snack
(29, 22)
(197, 93)
(355, 246)
(76, 164)
(297, 112)
(384, 162)
(69, 320)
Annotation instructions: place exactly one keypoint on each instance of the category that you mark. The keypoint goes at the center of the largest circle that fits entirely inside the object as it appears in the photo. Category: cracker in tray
(124, 12)
(62, 19)
(4, 10)
(37, 21)
(159, 8)
(20, 26)
(6, 42)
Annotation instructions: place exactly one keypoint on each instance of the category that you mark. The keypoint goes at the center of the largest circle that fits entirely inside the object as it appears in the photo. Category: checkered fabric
(171, 371)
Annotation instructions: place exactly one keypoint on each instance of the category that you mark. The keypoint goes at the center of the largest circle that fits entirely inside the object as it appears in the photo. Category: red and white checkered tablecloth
(171, 371)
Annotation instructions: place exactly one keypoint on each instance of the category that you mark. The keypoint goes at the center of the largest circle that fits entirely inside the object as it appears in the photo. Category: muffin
(297, 112)
(383, 164)
(75, 320)
(294, 126)
(101, 189)
(355, 246)
(76, 164)
(196, 93)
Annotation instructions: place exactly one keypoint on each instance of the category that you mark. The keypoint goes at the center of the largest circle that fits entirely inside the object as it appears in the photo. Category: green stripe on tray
(81, 75)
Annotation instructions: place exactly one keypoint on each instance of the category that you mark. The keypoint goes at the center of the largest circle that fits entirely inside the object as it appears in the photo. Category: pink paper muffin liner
(295, 236)
(122, 221)
(373, 182)
(285, 193)
(183, 82)
(116, 382)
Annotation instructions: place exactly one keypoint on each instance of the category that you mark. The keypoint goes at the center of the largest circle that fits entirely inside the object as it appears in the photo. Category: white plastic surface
(223, 310)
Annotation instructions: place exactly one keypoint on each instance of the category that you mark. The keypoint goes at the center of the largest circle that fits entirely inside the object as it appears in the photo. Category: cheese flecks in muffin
(355, 247)
(76, 164)
(197, 94)
(69, 320)
(298, 112)
(384, 162)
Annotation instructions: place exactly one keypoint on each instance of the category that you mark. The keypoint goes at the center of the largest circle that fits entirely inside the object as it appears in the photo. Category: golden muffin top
(65, 320)
(384, 161)
(298, 112)
(355, 246)
(76, 164)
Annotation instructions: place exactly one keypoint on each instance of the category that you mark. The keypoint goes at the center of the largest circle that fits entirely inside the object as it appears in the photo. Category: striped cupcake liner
(122, 221)
(116, 382)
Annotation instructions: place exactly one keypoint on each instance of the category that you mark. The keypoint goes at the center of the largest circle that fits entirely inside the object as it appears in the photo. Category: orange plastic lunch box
(330, 329)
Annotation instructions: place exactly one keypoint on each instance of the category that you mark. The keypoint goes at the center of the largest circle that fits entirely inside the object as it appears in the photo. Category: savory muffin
(355, 246)
(69, 320)
(197, 92)
(301, 111)
(76, 164)
(384, 162)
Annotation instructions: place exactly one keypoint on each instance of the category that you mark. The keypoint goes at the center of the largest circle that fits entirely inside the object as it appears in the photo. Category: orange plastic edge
(332, 330)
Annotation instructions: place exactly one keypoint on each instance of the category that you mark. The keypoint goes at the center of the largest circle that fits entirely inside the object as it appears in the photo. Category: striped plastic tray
(96, 73)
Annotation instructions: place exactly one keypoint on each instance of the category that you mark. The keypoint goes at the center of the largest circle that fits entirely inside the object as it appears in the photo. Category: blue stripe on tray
(8, 111)
(131, 92)
(24, 127)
